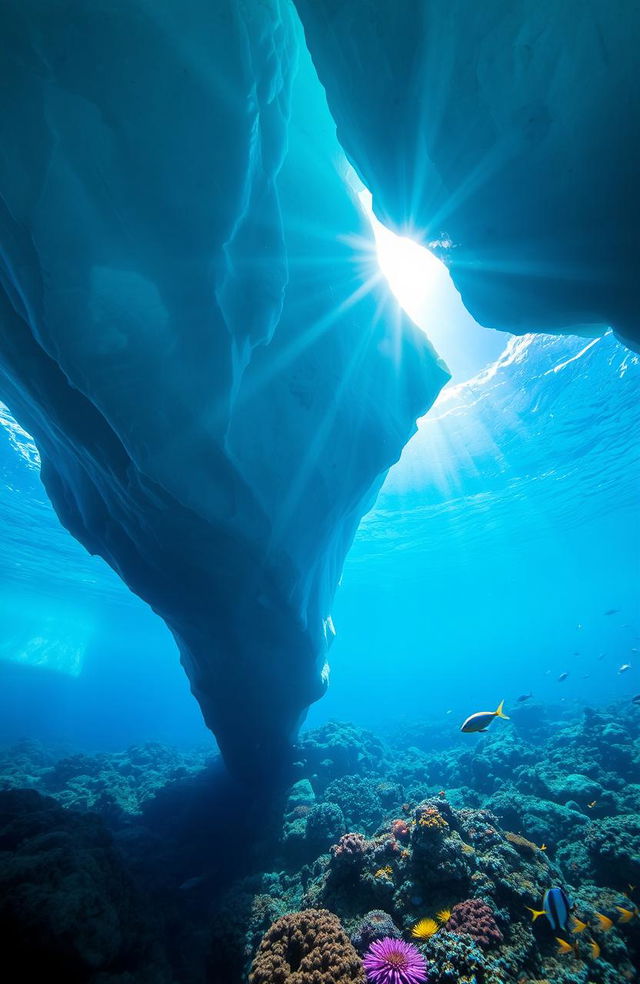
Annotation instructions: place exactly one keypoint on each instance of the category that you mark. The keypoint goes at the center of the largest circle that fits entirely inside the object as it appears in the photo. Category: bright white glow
(410, 269)
(425, 291)
(406, 265)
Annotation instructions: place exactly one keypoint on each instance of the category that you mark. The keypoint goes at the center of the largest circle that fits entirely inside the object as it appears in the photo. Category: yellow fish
(595, 949)
(535, 912)
(578, 925)
(626, 915)
(564, 947)
(543, 847)
(481, 720)
(604, 923)
(591, 805)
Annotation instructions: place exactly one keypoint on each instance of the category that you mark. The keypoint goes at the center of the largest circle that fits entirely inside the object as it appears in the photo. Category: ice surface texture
(184, 332)
(510, 131)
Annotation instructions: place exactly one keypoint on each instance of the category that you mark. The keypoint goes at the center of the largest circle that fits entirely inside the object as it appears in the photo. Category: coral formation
(374, 926)
(308, 947)
(475, 918)
(442, 835)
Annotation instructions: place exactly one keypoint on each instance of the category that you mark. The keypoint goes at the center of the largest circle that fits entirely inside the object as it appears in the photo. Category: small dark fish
(577, 652)
(601, 655)
(636, 699)
(612, 611)
(523, 697)
(563, 676)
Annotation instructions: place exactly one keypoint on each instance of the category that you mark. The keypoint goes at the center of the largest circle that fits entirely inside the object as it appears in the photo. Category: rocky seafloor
(149, 865)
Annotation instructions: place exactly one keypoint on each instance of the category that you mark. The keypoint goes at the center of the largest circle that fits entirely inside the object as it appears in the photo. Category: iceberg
(505, 136)
(194, 331)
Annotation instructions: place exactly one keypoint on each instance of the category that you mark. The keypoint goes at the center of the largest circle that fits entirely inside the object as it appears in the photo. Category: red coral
(400, 829)
(475, 918)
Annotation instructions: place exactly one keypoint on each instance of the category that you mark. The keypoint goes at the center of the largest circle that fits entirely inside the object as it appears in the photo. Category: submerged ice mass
(193, 327)
(215, 382)
(506, 135)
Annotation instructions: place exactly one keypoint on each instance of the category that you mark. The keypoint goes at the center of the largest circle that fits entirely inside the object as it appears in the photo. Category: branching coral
(430, 818)
(308, 947)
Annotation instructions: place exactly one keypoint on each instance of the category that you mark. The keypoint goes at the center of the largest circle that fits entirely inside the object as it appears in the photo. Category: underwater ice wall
(506, 135)
(186, 333)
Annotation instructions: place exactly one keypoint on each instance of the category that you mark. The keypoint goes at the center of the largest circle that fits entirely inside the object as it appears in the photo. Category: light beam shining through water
(425, 291)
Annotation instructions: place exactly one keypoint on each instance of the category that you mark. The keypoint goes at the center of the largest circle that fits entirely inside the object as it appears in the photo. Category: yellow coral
(385, 872)
(467, 849)
(424, 929)
(443, 916)
(430, 817)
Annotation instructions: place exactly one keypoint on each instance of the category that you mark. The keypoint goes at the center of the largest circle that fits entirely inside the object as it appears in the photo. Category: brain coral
(475, 918)
(308, 947)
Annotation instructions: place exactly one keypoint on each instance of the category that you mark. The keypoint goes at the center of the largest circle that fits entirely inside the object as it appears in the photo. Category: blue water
(507, 529)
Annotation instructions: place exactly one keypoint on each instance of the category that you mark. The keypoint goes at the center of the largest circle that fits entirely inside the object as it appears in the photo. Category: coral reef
(411, 834)
(308, 947)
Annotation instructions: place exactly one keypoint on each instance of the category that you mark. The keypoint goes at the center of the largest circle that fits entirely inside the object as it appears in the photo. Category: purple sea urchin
(390, 961)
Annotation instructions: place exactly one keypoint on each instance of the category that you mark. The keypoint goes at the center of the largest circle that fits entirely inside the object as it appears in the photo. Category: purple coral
(350, 846)
(390, 961)
(475, 918)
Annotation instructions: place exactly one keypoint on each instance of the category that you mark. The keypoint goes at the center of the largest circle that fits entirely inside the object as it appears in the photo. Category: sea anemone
(424, 929)
(443, 916)
(390, 961)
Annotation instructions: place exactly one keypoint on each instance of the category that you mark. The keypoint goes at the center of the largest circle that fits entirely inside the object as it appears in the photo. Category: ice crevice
(215, 377)
(507, 136)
